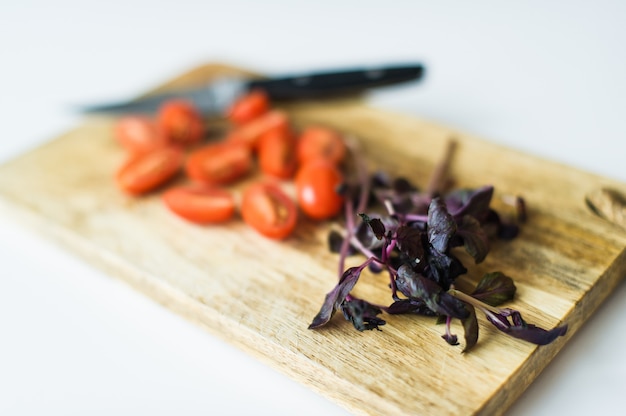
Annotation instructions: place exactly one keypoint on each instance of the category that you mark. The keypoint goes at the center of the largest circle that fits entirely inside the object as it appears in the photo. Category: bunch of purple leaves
(414, 236)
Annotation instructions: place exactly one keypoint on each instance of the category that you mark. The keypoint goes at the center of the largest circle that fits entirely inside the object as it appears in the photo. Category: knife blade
(215, 97)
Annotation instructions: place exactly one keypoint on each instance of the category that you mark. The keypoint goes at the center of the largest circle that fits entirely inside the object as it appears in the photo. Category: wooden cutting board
(260, 295)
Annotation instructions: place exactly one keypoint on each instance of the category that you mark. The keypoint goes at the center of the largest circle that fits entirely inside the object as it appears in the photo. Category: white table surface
(549, 79)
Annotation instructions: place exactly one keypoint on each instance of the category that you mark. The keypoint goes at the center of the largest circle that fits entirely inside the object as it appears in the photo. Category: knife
(215, 97)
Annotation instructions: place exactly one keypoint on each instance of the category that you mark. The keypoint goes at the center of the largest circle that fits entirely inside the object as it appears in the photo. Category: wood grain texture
(260, 295)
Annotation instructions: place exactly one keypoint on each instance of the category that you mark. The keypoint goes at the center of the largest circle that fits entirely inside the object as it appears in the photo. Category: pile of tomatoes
(260, 141)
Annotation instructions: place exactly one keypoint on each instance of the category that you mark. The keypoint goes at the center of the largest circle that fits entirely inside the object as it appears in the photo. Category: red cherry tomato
(180, 122)
(219, 163)
(146, 171)
(277, 154)
(138, 133)
(200, 204)
(249, 107)
(267, 209)
(317, 183)
(320, 142)
(250, 132)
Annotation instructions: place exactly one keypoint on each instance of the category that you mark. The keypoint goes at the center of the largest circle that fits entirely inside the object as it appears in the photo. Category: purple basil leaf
(441, 225)
(474, 238)
(335, 241)
(495, 288)
(401, 193)
(470, 202)
(376, 225)
(335, 297)
(380, 179)
(450, 306)
(457, 199)
(409, 240)
(366, 235)
(403, 185)
(470, 326)
(518, 328)
(400, 202)
(491, 224)
(443, 268)
(362, 314)
(416, 286)
(451, 339)
(409, 306)
(420, 202)
(508, 231)
(495, 227)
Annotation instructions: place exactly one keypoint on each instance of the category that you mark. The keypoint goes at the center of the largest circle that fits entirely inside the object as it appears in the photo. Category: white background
(548, 78)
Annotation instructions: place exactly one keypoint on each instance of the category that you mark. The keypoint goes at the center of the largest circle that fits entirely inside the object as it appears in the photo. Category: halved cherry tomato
(277, 154)
(219, 163)
(317, 184)
(145, 171)
(249, 107)
(251, 131)
(180, 122)
(267, 209)
(200, 203)
(138, 133)
(320, 142)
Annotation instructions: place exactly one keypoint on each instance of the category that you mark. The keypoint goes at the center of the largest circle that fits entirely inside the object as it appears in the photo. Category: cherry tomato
(146, 171)
(251, 132)
(180, 122)
(200, 204)
(219, 163)
(320, 142)
(138, 133)
(249, 107)
(277, 154)
(317, 183)
(267, 209)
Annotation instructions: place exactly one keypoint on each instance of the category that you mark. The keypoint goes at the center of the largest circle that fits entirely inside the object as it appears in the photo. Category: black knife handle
(321, 85)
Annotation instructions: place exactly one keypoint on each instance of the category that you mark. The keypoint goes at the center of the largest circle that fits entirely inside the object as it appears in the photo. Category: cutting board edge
(541, 358)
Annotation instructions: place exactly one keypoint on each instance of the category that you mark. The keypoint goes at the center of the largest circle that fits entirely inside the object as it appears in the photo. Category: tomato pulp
(219, 163)
(200, 203)
(267, 209)
(146, 171)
